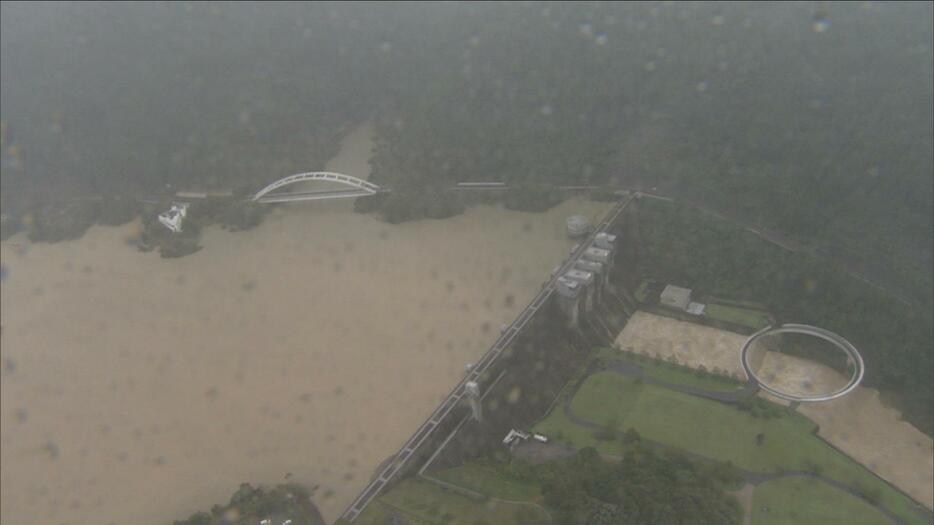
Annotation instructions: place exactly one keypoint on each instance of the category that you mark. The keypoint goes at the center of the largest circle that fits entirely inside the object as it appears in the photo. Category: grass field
(713, 430)
(805, 501)
(754, 319)
(424, 503)
(680, 375)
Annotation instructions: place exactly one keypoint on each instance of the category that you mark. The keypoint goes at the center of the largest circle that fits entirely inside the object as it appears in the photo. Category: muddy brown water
(139, 390)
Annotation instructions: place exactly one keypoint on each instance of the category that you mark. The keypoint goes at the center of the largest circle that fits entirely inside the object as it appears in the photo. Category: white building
(173, 218)
(680, 298)
(676, 297)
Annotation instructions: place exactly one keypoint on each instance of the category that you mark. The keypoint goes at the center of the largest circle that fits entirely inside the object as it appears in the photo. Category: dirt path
(744, 496)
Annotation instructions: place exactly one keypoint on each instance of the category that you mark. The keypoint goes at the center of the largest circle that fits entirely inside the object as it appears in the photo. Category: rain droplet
(821, 23)
(601, 39)
(547, 110)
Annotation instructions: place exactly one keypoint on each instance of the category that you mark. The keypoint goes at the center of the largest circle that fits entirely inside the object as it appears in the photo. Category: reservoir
(138, 389)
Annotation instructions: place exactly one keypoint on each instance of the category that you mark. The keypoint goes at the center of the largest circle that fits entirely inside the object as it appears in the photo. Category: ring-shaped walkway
(820, 333)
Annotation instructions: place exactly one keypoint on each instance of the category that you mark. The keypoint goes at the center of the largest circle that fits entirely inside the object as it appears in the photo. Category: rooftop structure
(567, 287)
(589, 266)
(695, 308)
(597, 255)
(580, 276)
(604, 240)
(676, 297)
(173, 218)
(578, 226)
(514, 436)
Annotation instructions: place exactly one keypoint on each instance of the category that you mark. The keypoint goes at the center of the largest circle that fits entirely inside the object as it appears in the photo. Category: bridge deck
(372, 490)
(313, 195)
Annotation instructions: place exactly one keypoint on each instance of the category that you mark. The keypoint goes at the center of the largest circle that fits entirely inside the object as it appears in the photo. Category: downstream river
(138, 390)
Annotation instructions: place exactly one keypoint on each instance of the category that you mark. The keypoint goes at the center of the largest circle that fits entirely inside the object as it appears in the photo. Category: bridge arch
(349, 180)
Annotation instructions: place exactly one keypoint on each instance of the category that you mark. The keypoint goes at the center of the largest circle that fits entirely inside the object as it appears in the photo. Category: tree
(631, 436)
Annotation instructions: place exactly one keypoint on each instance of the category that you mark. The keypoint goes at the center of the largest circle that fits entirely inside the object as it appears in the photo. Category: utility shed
(676, 297)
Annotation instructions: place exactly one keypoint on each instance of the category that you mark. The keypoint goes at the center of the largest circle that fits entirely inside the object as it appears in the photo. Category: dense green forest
(249, 505)
(647, 487)
(681, 245)
(810, 119)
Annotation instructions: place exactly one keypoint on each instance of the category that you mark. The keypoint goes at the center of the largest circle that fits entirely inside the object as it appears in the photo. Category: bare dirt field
(875, 435)
(794, 375)
(859, 424)
(691, 344)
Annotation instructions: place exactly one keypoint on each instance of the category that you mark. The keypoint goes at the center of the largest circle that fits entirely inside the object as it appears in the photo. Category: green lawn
(605, 397)
(806, 501)
(714, 430)
(490, 481)
(424, 503)
(755, 305)
(754, 319)
(681, 375)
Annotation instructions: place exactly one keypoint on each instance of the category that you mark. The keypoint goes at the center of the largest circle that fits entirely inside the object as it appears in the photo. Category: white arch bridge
(355, 188)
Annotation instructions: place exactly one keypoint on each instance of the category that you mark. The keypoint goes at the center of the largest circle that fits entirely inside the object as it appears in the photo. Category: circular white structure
(820, 333)
(578, 226)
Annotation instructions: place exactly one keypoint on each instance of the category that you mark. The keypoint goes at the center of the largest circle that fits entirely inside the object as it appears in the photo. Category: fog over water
(310, 346)
(307, 347)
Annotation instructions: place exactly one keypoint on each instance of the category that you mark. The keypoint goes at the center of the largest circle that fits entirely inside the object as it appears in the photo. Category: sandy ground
(794, 375)
(691, 344)
(859, 424)
(875, 435)
(139, 390)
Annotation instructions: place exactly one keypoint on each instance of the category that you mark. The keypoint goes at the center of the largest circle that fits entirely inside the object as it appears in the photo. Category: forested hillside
(813, 121)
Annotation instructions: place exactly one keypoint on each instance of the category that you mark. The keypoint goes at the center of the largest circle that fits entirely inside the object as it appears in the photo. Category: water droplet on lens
(821, 23)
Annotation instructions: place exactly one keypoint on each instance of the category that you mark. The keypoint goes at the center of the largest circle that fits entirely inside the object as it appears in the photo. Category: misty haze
(466, 263)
